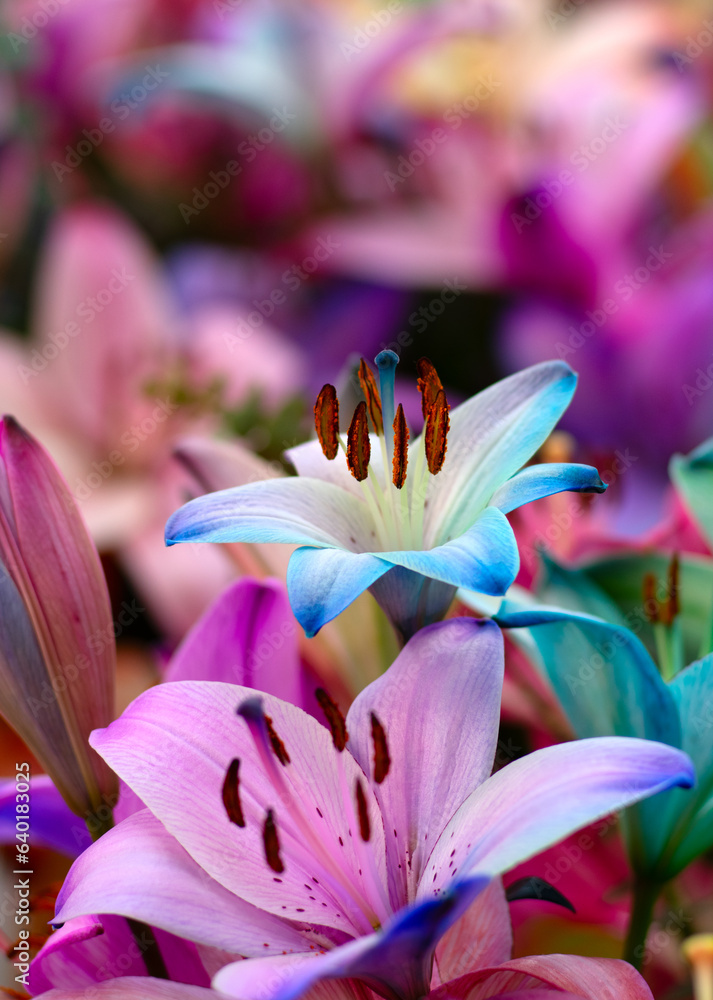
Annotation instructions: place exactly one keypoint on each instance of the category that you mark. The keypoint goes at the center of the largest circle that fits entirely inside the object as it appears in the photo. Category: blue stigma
(386, 362)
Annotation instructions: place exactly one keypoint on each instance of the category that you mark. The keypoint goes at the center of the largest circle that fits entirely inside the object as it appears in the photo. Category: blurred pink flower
(113, 375)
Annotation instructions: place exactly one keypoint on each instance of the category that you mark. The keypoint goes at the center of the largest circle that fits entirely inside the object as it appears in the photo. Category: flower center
(367, 904)
(398, 513)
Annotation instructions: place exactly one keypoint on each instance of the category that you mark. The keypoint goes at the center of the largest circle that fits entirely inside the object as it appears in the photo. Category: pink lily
(323, 889)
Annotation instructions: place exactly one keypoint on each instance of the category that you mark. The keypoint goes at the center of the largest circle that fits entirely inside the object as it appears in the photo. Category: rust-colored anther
(335, 719)
(382, 761)
(651, 604)
(231, 794)
(363, 812)
(429, 385)
(672, 607)
(272, 843)
(326, 421)
(277, 745)
(436, 431)
(371, 395)
(400, 459)
(358, 444)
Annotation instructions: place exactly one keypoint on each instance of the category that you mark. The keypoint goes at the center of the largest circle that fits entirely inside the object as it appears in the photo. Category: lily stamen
(231, 794)
(436, 433)
(303, 832)
(364, 824)
(335, 720)
(371, 395)
(663, 615)
(272, 843)
(358, 444)
(277, 744)
(400, 460)
(429, 385)
(326, 421)
(399, 522)
(382, 761)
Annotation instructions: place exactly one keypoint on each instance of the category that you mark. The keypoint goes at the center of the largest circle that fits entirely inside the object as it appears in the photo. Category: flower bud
(57, 650)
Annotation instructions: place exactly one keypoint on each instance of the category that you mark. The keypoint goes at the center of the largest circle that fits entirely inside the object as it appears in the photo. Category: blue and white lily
(413, 537)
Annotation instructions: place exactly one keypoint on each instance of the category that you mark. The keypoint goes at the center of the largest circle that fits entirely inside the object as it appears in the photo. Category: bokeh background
(209, 208)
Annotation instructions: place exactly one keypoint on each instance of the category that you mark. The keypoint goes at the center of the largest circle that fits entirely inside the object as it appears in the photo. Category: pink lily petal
(248, 637)
(451, 674)
(267, 978)
(539, 799)
(525, 995)
(481, 938)
(193, 733)
(134, 988)
(90, 949)
(395, 961)
(161, 885)
(584, 978)
(54, 580)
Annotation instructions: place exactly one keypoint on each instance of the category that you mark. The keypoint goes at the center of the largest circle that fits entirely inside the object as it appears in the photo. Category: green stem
(645, 894)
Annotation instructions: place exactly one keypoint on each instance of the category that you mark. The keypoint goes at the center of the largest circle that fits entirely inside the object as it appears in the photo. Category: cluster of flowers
(256, 836)
(579, 182)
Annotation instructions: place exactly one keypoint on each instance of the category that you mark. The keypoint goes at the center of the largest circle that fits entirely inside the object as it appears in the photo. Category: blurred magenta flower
(610, 274)
(356, 525)
(336, 893)
(56, 666)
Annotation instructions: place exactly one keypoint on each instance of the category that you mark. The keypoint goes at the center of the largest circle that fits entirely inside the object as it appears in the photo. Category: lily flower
(347, 855)
(56, 679)
(608, 684)
(409, 522)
